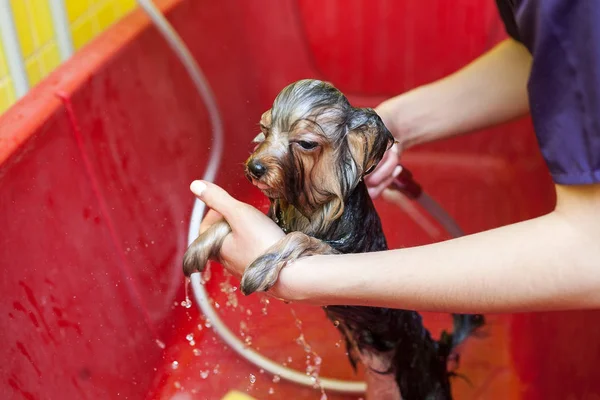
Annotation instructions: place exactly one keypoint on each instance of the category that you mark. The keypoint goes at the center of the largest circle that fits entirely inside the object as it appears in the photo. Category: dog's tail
(464, 326)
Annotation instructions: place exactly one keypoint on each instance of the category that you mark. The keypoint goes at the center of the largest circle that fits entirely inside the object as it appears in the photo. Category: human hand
(388, 168)
(252, 232)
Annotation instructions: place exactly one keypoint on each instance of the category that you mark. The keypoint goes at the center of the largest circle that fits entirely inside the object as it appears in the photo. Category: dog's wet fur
(310, 159)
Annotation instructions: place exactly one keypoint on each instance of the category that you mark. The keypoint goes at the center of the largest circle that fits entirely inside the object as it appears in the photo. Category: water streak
(312, 368)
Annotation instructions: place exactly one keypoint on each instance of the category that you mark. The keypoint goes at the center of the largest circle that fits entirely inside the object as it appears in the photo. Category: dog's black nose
(256, 169)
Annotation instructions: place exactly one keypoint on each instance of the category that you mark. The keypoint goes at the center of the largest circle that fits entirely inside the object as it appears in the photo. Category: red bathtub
(95, 165)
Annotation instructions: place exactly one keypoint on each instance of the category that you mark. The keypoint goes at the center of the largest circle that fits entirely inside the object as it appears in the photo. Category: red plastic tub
(95, 203)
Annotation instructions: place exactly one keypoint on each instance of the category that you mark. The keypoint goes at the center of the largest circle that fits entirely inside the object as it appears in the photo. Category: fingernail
(197, 187)
(397, 171)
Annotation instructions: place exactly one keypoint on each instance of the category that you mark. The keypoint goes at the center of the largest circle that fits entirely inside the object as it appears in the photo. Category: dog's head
(314, 147)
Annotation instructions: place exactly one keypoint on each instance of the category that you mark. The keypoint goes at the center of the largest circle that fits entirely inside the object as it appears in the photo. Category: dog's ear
(368, 139)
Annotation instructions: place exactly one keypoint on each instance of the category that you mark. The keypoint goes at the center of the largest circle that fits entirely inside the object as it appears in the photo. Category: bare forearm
(547, 263)
(490, 90)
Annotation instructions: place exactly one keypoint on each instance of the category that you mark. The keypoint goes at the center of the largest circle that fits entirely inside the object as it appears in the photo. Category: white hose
(200, 294)
(440, 215)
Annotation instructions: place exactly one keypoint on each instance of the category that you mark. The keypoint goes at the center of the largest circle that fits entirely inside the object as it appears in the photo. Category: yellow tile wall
(33, 21)
(7, 92)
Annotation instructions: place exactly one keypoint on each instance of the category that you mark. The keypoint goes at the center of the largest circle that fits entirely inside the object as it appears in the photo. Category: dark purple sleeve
(564, 87)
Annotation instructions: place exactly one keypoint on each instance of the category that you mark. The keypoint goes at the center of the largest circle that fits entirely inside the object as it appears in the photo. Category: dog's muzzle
(256, 169)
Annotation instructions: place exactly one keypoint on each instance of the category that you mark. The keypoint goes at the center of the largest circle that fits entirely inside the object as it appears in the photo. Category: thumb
(217, 199)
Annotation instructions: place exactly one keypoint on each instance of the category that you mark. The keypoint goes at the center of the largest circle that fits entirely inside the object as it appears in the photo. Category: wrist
(296, 282)
(412, 117)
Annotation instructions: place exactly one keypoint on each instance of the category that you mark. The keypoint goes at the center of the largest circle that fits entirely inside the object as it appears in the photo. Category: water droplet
(174, 364)
(289, 359)
(208, 324)
(252, 379)
(262, 371)
(177, 385)
(217, 305)
(338, 343)
(216, 369)
(271, 390)
(160, 343)
(204, 374)
(336, 323)
(197, 352)
(192, 343)
(200, 327)
(187, 303)
(276, 379)
(189, 337)
(248, 312)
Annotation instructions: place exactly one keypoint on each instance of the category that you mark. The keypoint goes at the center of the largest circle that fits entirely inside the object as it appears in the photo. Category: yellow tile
(7, 94)
(76, 8)
(24, 27)
(34, 70)
(49, 58)
(3, 66)
(106, 15)
(82, 33)
(235, 395)
(42, 20)
(125, 6)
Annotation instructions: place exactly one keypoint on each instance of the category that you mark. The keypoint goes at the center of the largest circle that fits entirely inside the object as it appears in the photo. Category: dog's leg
(263, 272)
(206, 247)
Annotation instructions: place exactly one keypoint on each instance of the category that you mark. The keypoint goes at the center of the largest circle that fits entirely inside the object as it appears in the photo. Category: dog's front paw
(205, 248)
(262, 274)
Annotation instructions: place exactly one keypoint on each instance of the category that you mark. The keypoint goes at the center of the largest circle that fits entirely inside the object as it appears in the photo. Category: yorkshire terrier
(310, 159)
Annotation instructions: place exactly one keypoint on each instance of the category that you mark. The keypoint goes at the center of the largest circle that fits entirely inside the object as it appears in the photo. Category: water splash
(252, 379)
(190, 338)
(313, 368)
(230, 291)
(265, 302)
(244, 333)
(187, 303)
(207, 274)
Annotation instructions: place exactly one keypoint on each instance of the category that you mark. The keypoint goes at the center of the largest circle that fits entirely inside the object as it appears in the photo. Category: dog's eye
(307, 145)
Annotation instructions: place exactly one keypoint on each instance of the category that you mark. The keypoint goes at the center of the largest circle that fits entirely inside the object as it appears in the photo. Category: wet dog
(312, 154)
